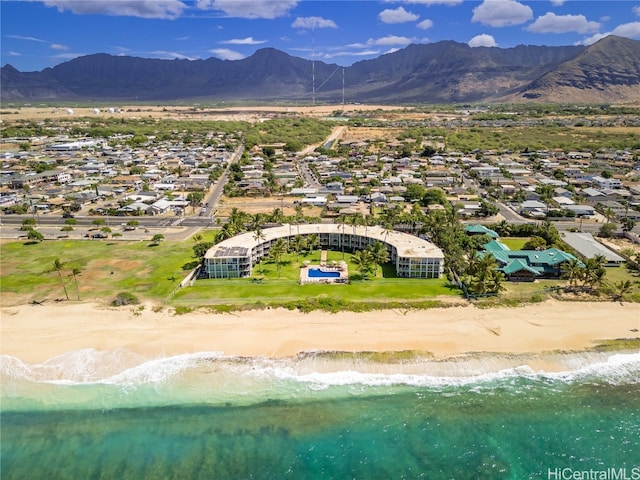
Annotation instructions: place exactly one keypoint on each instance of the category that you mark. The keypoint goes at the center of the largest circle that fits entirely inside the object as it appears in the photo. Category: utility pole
(343, 86)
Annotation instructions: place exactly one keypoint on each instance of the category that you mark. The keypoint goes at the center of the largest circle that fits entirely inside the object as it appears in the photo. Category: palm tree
(416, 216)
(379, 254)
(363, 260)
(238, 218)
(608, 213)
(298, 243)
(354, 221)
(387, 228)
(621, 289)
(276, 251)
(366, 221)
(257, 221)
(496, 280)
(504, 228)
(313, 241)
(227, 231)
(57, 266)
(276, 216)
(197, 238)
(572, 271)
(485, 279)
(594, 271)
(341, 221)
(299, 216)
(258, 235)
(75, 272)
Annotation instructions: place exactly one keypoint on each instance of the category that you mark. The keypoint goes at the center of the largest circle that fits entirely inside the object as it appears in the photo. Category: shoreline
(35, 334)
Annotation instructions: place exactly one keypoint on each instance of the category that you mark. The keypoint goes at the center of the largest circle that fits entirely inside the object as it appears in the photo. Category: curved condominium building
(412, 256)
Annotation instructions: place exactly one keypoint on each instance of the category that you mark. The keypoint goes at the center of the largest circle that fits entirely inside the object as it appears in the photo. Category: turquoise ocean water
(115, 415)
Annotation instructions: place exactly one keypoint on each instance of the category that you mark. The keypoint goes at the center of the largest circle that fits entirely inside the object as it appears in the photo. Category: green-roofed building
(527, 265)
(495, 246)
(480, 230)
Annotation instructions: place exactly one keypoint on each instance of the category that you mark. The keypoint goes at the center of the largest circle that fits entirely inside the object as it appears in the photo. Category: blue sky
(36, 34)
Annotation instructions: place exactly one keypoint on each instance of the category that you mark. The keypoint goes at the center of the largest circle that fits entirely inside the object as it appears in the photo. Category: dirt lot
(252, 113)
(263, 205)
(618, 244)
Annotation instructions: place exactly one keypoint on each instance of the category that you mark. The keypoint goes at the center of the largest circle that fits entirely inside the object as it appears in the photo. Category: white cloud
(483, 40)
(269, 9)
(557, 3)
(428, 2)
(129, 8)
(391, 50)
(346, 53)
(57, 46)
(425, 24)
(389, 40)
(170, 55)
(11, 53)
(313, 22)
(636, 10)
(243, 41)
(501, 13)
(182, 39)
(628, 30)
(552, 23)
(67, 56)
(399, 15)
(226, 54)
(30, 39)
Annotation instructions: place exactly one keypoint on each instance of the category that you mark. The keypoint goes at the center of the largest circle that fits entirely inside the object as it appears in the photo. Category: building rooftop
(405, 244)
(589, 247)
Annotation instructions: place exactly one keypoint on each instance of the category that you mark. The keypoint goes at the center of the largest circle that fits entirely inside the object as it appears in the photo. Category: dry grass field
(195, 112)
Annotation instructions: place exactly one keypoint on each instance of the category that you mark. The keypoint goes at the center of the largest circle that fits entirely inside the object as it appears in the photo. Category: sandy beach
(35, 333)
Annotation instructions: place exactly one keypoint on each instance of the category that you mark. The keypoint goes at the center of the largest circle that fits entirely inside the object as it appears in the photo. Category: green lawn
(384, 287)
(106, 268)
(154, 272)
(514, 243)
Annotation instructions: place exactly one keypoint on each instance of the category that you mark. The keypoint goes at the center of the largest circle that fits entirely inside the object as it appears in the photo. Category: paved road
(335, 133)
(212, 200)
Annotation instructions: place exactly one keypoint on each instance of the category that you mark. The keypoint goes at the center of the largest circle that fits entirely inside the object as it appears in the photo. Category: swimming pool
(318, 273)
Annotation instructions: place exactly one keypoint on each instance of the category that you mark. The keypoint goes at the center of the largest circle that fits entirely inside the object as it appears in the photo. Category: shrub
(125, 298)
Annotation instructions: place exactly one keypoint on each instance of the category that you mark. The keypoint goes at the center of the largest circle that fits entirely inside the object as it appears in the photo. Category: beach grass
(618, 344)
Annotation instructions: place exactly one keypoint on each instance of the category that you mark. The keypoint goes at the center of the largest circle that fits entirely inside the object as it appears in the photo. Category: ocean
(116, 415)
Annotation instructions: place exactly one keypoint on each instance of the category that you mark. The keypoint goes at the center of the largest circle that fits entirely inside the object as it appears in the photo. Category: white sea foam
(93, 366)
(618, 368)
(126, 369)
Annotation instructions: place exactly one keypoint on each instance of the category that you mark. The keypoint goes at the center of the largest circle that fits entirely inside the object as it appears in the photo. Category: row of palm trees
(58, 267)
(479, 273)
(482, 277)
(590, 277)
(586, 276)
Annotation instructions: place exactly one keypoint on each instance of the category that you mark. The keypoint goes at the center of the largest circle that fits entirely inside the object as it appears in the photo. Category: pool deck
(340, 267)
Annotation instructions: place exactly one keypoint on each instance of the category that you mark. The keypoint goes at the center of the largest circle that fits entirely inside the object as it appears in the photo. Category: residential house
(528, 265)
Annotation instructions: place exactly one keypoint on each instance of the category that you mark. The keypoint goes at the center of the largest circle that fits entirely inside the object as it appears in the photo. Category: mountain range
(442, 72)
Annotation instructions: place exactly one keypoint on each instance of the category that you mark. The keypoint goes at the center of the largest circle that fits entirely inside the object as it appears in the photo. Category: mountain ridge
(441, 72)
